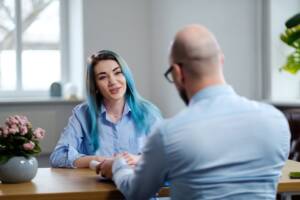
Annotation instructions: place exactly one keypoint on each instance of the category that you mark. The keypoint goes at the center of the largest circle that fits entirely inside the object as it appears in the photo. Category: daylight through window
(30, 50)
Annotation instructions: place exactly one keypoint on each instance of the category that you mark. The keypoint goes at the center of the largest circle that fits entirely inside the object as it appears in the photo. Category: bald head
(198, 51)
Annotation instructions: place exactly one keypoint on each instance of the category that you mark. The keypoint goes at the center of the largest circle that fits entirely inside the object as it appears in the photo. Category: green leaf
(4, 158)
(20, 138)
(292, 64)
(37, 149)
(293, 21)
(291, 36)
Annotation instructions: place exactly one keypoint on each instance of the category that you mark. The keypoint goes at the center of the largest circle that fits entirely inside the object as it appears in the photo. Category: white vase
(18, 169)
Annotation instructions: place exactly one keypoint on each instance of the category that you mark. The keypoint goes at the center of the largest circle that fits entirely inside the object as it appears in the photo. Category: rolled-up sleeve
(145, 180)
(67, 149)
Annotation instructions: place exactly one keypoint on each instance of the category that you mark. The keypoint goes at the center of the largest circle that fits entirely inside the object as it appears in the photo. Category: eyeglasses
(168, 75)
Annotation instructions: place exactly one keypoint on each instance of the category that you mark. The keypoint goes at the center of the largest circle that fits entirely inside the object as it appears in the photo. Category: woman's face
(110, 81)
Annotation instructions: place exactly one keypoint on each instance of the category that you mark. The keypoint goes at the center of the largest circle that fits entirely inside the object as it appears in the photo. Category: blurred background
(48, 41)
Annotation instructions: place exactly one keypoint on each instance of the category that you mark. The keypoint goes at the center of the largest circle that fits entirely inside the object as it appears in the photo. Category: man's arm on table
(147, 177)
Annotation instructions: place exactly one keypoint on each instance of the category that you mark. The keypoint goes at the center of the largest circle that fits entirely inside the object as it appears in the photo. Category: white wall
(141, 31)
(121, 26)
(235, 24)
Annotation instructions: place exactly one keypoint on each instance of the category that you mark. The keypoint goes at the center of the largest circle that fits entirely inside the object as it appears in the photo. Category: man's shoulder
(168, 124)
(265, 107)
(205, 111)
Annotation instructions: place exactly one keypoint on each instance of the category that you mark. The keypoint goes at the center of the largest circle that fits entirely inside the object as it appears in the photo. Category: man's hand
(131, 159)
(105, 168)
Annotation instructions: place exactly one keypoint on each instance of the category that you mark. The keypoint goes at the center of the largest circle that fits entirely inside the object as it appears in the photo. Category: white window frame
(64, 32)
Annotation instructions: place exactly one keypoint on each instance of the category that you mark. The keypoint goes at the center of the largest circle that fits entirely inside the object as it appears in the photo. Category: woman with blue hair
(114, 119)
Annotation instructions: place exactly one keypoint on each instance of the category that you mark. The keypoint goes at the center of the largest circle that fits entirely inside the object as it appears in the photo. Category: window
(30, 47)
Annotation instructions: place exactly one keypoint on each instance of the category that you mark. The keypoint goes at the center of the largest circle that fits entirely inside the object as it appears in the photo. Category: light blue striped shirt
(114, 138)
(222, 146)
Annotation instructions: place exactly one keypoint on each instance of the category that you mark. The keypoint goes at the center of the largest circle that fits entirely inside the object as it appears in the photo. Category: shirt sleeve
(149, 174)
(155, 125)
(67, 148)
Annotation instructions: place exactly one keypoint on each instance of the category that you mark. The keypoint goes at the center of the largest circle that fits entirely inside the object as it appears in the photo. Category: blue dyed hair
(142, 111)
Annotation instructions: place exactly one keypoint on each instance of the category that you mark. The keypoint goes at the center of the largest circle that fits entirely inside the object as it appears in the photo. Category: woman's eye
(101, 77)
(118, 73)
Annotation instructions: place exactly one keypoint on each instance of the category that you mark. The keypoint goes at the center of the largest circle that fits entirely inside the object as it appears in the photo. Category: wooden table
(80, 184)
(286, 184)
(288, 187)
(63, 184)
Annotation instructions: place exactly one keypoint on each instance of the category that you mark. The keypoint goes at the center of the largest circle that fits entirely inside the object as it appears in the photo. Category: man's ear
(178, 74)
(222, 58)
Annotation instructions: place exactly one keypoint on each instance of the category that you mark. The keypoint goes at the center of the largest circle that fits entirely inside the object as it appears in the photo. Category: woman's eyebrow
(104, 73)
(116, 69)
(101, 73)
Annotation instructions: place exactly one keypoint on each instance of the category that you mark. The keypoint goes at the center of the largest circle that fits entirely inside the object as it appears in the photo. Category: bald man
(222, 146)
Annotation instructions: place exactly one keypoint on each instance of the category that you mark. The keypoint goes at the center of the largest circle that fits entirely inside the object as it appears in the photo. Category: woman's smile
(115, 90)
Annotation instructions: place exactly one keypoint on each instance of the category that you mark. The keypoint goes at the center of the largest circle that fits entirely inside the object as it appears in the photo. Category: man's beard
(184, 96)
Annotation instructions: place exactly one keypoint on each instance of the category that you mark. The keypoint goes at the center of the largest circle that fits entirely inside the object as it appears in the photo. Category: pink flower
(11, 121)
(13, 130)
(5, 131)
(16, 120)
(39, 133)
(23, 130)
(18, 136)
(14, 126)
(22, 120)
(28, 146)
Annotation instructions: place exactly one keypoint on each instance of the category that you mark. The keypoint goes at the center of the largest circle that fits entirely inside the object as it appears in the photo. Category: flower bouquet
(18, 138)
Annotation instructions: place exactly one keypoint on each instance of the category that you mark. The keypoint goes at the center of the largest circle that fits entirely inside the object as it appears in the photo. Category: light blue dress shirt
(114, 138)
(222, 146)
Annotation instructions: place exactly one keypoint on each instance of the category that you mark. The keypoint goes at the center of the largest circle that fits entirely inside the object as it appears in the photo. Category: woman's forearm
(84, 161)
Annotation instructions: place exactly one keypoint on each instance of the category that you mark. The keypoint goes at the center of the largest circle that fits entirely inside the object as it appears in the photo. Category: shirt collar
(212, 91)
(126, 110)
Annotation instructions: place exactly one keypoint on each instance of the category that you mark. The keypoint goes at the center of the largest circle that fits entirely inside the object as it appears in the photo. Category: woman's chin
(116, 97)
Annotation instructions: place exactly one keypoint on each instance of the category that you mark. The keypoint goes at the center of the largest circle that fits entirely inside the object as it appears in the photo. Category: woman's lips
(114, 90)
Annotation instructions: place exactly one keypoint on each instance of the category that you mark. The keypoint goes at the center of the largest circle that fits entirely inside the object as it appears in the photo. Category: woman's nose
(112, 80)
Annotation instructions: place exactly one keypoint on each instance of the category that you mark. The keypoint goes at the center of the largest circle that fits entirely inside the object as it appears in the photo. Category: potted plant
(291, 37)
(19, 143)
